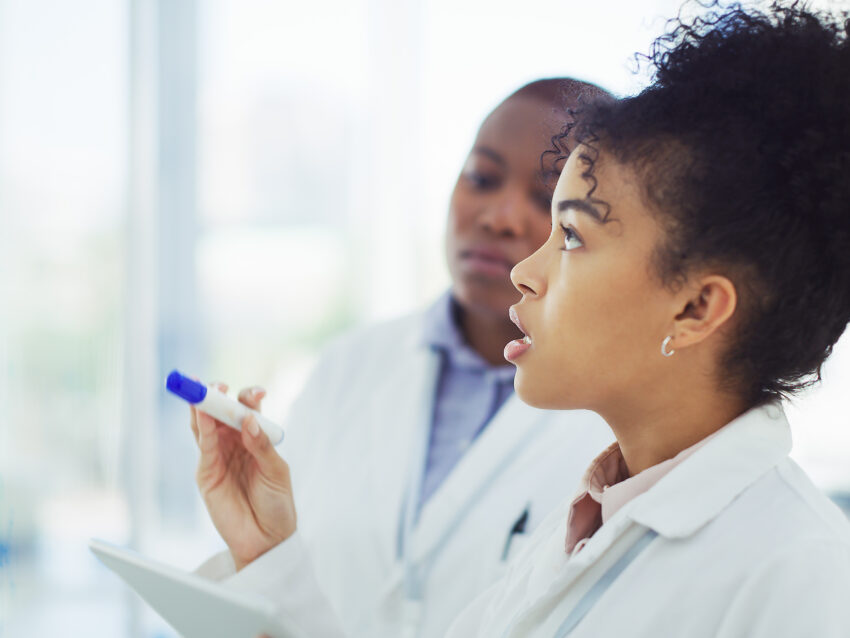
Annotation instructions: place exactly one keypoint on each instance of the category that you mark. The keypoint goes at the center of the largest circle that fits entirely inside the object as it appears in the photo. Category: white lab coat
(355, 438)
(745, 547)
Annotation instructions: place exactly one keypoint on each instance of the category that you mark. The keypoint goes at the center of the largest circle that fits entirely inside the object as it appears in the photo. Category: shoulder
(354, 368)
(824, 515)
(788, 498)
(374, 341)
(781, 527)
(800, 589)
(771, 525)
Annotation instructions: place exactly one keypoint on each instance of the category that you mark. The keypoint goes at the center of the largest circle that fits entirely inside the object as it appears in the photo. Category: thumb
(256, 441)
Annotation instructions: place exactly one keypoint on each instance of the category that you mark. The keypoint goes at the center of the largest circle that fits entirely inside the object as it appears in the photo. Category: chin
(533, 393)
(540, 394)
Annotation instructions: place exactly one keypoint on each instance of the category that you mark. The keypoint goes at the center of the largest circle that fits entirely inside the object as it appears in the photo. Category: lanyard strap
(601, 586)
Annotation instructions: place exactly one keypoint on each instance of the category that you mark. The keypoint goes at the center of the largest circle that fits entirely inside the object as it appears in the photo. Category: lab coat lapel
(541, 593)
(393, 438)
(475, 473)
(619, 530)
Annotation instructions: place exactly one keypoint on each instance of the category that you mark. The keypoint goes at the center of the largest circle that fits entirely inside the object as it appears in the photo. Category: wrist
(243, 557)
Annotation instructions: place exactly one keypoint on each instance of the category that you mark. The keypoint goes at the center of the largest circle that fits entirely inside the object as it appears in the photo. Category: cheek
(606, 311)
(600, 327)
(461, 209)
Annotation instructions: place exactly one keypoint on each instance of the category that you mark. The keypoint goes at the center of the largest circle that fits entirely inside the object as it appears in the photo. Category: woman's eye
(482, 181)
(571, 239)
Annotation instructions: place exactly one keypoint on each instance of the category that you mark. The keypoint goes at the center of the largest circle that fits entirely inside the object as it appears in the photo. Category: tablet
(194, 606)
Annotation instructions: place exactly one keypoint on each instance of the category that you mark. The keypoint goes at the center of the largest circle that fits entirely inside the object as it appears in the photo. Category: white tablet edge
(253, 603)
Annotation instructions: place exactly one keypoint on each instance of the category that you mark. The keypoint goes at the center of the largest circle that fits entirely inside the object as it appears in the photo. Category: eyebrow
(580, 204)
(493, 155)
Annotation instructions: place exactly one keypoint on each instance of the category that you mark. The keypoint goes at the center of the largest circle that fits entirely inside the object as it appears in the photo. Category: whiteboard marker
(218, 405)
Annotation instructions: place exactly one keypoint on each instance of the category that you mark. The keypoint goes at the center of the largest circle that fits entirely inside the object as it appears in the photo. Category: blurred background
(220, 187)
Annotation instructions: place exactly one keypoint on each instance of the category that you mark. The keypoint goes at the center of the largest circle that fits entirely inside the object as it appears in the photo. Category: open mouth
(517, 347)
(515, 319)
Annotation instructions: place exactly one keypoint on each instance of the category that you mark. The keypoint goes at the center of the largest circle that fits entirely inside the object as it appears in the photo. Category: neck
(650, 430)
(487, 334)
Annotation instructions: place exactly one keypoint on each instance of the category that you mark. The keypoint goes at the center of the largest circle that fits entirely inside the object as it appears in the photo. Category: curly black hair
(742, 146)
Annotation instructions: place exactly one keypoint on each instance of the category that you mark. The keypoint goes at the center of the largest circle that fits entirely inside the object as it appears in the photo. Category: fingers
(268, 460)
(207, 442)
(193, 412)
(252, 396)
(193, 421)
(206, 425)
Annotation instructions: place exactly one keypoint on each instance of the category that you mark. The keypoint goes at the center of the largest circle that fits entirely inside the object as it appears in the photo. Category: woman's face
(499, 209)
(594, 311)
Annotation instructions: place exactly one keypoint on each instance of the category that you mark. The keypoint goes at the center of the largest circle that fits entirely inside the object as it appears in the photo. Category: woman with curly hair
(697, 272)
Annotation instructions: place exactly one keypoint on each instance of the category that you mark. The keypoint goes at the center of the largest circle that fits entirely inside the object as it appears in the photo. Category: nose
(528, 275)
(505, 215)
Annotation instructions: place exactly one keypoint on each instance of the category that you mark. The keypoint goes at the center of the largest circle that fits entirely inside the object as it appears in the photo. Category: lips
(487, 252)
(487, 260)
(517, 347)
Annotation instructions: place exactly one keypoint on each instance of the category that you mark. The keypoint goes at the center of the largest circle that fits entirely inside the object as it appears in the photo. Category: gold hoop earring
(664, 345)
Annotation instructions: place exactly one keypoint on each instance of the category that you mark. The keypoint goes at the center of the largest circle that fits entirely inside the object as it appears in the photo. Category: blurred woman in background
(410, 453)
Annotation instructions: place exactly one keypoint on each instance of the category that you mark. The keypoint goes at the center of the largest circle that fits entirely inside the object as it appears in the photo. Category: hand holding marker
(244, 482)
(218, 405)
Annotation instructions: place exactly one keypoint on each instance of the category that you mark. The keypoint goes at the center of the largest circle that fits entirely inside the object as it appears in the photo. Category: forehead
(524, 122)
(616, 186)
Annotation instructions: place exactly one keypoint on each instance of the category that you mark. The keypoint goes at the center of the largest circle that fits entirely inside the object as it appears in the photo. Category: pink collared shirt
(607, 486)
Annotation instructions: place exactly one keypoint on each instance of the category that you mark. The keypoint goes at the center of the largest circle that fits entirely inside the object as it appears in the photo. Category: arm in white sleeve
(284, 576)
(218, 567)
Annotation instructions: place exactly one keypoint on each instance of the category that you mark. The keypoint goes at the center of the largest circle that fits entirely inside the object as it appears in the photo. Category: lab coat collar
(696, 491)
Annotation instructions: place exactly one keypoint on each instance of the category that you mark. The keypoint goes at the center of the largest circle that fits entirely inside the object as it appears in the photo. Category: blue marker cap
(185, 388)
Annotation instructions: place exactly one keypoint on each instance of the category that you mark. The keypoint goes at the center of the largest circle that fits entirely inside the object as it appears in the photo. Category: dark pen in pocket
(518, 528)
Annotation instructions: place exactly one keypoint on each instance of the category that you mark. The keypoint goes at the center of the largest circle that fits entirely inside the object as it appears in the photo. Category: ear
(707, 305)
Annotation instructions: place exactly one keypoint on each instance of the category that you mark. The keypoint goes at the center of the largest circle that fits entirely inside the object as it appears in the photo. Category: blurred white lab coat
(356, 439)
(735, 542)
